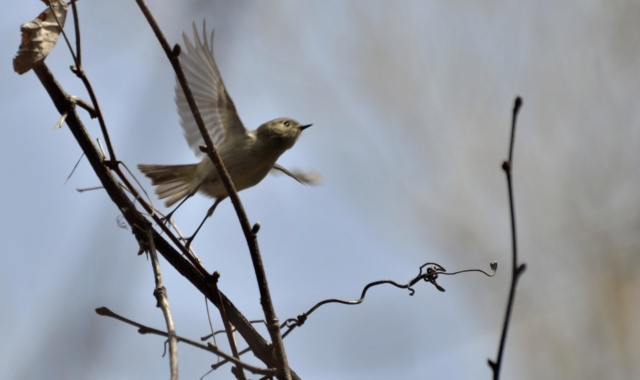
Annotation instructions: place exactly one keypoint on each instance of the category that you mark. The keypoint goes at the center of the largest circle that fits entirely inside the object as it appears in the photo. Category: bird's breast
(246, 163)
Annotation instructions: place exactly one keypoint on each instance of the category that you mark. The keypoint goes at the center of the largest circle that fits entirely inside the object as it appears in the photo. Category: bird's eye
(286, 123)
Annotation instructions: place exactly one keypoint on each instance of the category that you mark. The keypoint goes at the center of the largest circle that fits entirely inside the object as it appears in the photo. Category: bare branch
(142, 329)
(516, 269)
(160, 293)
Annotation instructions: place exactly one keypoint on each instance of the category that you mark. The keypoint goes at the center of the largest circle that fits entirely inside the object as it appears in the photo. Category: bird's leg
(209, 213)
(191, 194)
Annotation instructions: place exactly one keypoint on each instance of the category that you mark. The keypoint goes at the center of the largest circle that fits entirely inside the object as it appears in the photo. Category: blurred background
(411, 105)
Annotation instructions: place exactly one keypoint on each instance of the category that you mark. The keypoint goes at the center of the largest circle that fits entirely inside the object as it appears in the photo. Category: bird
(248, 155)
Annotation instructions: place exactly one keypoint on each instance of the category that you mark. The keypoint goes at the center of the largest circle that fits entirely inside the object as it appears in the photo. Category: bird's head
(281, 132)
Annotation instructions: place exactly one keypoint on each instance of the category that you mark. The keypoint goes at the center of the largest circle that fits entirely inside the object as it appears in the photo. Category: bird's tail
(173, 182)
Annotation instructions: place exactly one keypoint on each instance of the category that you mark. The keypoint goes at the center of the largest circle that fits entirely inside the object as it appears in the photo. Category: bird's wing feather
(305, 178)
(215, 105)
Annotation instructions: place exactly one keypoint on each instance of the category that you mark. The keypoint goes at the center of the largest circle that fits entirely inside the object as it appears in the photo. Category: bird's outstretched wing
(305, 178)
(215, 105)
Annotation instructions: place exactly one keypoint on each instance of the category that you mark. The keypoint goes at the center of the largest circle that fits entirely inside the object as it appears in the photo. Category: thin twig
(64, 35)
(160, 293)
(142, 329)
(227, 326)
(76, 24)
(79, 71)
(74, 168)
(516, 269)
(265, 296)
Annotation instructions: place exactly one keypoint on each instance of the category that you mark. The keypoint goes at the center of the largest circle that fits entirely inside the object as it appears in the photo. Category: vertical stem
(228, 328)
(516, 269)
(163, 303)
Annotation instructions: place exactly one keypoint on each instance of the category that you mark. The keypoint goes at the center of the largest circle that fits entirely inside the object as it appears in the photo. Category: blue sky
(411, 105)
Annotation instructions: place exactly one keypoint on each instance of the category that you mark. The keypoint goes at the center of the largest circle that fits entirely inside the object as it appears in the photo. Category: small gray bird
(248, 155)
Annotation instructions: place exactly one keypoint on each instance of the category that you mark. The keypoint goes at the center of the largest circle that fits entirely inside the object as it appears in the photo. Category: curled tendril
(428, 272)
(493, 266)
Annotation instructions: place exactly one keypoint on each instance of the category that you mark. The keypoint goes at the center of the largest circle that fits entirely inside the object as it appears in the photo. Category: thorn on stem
(521, 269)
(176, 50)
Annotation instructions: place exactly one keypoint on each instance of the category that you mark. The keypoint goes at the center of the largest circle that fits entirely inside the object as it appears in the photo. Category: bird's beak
(303, 127)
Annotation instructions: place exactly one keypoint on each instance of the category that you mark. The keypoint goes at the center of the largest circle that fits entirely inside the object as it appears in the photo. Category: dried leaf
(40, 36)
